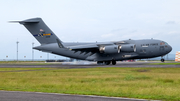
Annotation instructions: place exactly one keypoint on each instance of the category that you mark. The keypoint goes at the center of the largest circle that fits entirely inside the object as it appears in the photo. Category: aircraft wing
(94, 46)
(89, 46)
(108, 47)
(81, 47)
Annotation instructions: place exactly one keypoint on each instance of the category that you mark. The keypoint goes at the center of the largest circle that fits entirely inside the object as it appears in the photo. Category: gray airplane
(102, 52)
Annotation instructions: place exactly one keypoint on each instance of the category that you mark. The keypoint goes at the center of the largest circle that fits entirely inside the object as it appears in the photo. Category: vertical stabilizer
(40, 30)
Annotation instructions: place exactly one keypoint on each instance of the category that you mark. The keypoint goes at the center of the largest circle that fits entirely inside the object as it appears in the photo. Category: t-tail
(41, 31)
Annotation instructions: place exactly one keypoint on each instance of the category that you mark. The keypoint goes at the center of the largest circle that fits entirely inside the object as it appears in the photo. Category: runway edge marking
(94, 96)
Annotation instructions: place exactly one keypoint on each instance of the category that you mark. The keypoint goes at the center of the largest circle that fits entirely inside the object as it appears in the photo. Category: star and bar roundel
(42, 33)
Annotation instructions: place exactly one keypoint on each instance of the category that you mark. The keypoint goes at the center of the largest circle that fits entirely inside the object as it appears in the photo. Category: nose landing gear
(162, 59)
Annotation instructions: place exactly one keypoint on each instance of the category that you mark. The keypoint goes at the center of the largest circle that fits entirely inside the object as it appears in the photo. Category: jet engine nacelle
(109, 49)
(128, 48)
(117, 48)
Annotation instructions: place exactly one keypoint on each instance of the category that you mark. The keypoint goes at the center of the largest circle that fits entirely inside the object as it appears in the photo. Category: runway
(35, 96)
(71, 65)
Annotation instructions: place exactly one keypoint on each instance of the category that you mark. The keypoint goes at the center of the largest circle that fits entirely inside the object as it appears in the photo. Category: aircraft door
(161, 48)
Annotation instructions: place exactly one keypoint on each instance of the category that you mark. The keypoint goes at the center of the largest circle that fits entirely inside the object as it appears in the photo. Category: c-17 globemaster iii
(102, 52)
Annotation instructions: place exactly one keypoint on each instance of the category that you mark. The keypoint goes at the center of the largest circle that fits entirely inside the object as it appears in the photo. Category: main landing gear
(106, 62)
(113, 62)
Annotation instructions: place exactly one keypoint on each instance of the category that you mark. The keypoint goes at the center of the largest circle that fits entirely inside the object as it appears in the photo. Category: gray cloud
(171, 22)
(117, 30)
(133, 31)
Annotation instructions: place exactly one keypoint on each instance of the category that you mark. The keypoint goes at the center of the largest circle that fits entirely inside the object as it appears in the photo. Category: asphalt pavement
(35, 96)
(69, 65)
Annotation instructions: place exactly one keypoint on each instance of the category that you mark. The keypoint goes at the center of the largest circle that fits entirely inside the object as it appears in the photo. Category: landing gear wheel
(99, 62)
(162, 60)
(107, 62)
(113, 62)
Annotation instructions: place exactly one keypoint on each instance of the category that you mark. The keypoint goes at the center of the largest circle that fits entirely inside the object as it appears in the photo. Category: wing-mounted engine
(128, 48)
(111, 49)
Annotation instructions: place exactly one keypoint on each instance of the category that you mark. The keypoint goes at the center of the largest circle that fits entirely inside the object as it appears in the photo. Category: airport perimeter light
(17, 50)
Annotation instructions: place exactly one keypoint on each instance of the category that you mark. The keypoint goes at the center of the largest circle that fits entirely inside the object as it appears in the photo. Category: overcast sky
(88, 21)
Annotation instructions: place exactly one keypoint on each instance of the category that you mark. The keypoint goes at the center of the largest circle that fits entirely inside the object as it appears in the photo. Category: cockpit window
(163, 43)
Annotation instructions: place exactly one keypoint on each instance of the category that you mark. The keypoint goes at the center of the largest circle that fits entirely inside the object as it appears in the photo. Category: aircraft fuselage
(147, 48)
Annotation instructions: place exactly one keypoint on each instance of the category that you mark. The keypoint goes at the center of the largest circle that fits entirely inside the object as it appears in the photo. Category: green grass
(27, 63)
(14, 62)
(171, 63)
(143, 83)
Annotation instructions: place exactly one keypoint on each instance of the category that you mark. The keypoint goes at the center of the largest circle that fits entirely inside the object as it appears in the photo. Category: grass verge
(171, 63)
(26, 63)
(143, 83)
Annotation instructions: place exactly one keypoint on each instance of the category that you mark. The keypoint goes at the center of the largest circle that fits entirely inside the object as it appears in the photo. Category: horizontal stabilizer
(29, 21)
(14, 21)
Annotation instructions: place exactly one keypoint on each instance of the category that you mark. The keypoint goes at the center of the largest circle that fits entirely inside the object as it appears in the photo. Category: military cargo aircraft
(102, 52)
